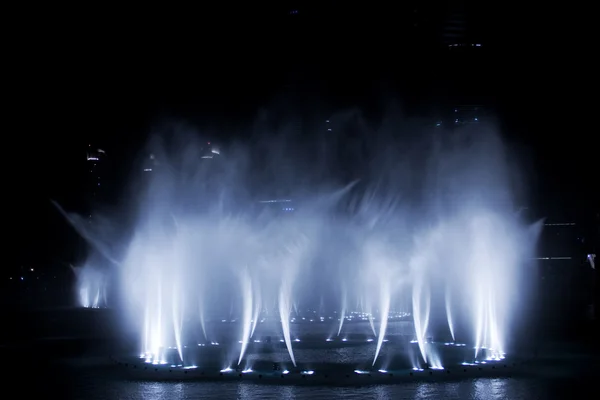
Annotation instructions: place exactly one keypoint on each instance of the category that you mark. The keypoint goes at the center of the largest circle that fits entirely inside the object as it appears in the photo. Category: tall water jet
(153, 291)
(321, 309)
(246, 284)
(285, 308)
(179, 258)
(93, 235)
(257, 306)
(201, 317)
(381, 263)
(384, 311)
(91, 286)
(177, 310)
(369, 311)
(421, 303)
(449, 313)
(153, 346)
(486, 263)
(290, 259)
(343, 310)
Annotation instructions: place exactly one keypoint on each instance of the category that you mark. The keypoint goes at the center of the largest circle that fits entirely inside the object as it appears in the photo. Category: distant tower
(467, 114)
(459, 30)
(454, 30)
(150, 163)
(293, 8)
(207, 152)
(210, 151)
(460, 115)
(96, 170)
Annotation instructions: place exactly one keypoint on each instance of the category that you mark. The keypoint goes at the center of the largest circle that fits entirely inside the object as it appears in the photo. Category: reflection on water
(153, 390)
(490, 388)
(425, 391)
(452, 391)
(96, 383)
(484, 389)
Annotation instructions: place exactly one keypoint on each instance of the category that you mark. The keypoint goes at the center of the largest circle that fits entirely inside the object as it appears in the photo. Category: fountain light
(198, 253)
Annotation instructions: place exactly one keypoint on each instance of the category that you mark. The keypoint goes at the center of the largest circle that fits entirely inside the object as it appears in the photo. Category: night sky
(105, 77)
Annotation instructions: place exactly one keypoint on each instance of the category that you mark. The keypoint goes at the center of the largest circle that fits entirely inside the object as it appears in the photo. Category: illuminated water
(88, 385)
(90, 379)
(565, 371)
(438, 242)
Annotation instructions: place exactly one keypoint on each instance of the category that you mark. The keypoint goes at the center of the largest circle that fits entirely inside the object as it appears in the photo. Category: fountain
(209, 279)
(91, 286)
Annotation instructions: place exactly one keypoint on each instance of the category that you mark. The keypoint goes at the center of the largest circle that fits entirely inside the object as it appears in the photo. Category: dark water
(88, 383)
(561, 377)
(72, 368)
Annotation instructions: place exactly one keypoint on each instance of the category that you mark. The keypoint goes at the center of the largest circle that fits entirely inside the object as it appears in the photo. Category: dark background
(106, 75)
